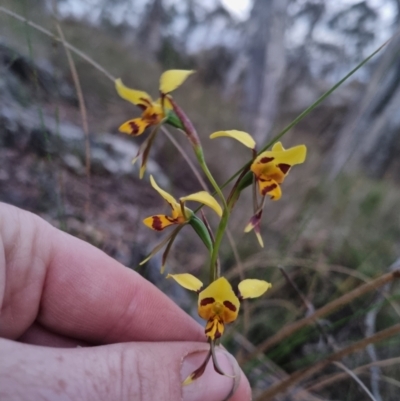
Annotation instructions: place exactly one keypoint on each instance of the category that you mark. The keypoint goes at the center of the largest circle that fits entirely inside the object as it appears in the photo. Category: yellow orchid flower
(153, 111)
(272, 166)
(218, 304)
(180, 214)
(269, 168)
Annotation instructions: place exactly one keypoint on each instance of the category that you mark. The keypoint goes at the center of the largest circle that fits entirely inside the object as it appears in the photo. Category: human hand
(58, 292)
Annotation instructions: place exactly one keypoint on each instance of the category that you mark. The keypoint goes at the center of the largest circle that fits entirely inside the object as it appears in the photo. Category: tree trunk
(273, 71)
(257, 35)
(369, 135)
(150, 30)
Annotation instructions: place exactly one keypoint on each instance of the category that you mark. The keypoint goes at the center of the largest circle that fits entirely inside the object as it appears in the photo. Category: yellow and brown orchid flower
(153, 112)
(180, 216)
(269, 168)
(219, 305)
(180, 213)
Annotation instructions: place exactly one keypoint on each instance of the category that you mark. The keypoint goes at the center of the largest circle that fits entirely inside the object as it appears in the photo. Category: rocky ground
(43, 169)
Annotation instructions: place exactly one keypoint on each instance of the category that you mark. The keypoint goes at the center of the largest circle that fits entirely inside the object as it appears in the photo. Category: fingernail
(211, 386)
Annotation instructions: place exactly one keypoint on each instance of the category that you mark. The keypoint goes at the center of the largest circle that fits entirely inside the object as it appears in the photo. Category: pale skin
(77, 325)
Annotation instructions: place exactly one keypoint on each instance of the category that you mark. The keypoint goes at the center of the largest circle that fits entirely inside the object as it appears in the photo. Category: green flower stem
(200, 158)
(215, 271)
(215, 268)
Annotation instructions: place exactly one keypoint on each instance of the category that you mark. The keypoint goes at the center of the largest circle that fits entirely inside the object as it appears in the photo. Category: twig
(277, 373)
(329, 340)
(325, 310)
(82, 108)
(186, 157)
(352, 374)
(370, 320)
(260, 258)
(319, 384)
(302, 374)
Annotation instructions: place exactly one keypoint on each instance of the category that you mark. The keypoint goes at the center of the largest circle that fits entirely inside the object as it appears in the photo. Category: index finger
(74, 289)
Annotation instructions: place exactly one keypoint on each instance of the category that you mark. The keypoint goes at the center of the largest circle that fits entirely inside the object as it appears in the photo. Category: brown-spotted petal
(269, 187)
(159, 221)
(134, 127)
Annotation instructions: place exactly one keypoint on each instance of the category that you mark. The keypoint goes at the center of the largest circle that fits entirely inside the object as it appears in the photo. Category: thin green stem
(200, 157)
(215, 270)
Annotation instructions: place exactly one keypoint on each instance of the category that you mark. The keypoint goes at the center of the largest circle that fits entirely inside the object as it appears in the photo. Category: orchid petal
(278, 147)
(241, 136)
(219, 292)
(187, 281)
(169, 198)
(206, 199)
(159, 221)
(172, 79)
(253, 288)
(270, 188)
(138, 98)
(134, 127)
(278, 155)
(198, 372)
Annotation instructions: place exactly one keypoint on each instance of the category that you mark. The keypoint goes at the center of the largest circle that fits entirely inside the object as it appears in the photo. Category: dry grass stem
(186, 157)
(58, 39)
(319, 384)
(302, 374)
(82, 109)
(353, 376)
(325, 310)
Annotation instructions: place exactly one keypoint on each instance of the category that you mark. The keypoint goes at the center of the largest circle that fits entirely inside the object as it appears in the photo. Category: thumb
(130, 371)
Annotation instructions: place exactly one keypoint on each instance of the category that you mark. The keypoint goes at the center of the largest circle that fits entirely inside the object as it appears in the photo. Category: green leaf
(173, 119)
(201, 231)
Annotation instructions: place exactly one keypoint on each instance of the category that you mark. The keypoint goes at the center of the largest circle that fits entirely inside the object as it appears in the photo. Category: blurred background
(259, 64)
